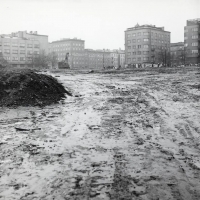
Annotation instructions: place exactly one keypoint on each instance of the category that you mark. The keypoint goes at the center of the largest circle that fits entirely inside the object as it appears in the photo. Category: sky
(101, 23)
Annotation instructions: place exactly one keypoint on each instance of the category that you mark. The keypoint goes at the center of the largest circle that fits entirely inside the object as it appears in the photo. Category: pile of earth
(28, 88)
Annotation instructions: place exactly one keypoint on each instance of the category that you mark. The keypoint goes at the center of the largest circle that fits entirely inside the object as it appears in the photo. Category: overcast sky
(101, 23)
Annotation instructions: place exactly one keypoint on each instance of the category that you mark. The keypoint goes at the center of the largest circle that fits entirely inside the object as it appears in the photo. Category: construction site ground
(123, 135)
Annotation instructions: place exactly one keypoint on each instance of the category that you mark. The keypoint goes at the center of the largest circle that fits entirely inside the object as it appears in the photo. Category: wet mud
(121, 136)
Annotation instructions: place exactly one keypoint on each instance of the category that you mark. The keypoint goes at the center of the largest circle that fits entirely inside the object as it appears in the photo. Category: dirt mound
(27, 88)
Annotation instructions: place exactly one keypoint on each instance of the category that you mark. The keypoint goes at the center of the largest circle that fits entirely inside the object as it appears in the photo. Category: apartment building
(192, 41)
(177, 53)
(97, 59)
(75, 47)
(117, 58)
(146, 44)
(20, 47)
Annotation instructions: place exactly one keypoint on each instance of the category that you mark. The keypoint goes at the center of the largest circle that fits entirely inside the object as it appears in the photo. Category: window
(15, 58)
(134, 40)
(146, 46)
(29, 45)
(7, 57)
(29, 58)
(6, 44)
(139, 59)
(15, 51)
(195, 44)
(128, 35)
(22, 59)
(134, 46)
(186, 44)
(139, 34)
(36, 52)
(129, 47)
(22, 51)
(129, 60)
(194, 36)
(134, 52)
(145, 33)
(138, 40)
(139, 52)
(133, 34)
(15, 44)
(22, 45)
(6, 50)
(195, 29)
(146, 58)
(194, 51)
(156, 34)
(139, 46)
(129, 54)
(133, 59)
(145, 52)
(185, 38)
(129, 41)
(146, 39)
(30, 52)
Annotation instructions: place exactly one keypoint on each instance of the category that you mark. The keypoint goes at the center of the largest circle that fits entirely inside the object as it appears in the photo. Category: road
(130, 136)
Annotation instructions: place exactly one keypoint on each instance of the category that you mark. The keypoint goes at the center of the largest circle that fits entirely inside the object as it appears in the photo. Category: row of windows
(21, 45)
(138, 59)
(146, 40)
(17, 59)
(67, 44)
(7, 51)
(147, 33)
(139, 53)
(146, 46)
(63, 49)
(192, 29)
(195, 51)
(193, 37)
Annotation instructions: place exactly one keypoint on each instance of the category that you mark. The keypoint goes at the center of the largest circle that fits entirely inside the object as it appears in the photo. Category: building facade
(177, 53)
(146, 44)
(20, 47)
(75, 47)
(97, 59)
(192, 41)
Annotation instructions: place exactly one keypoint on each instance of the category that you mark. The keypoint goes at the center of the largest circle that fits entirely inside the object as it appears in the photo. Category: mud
(133, 136)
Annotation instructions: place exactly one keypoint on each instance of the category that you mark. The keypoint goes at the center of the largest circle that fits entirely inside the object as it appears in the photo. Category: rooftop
(68, 39)
(145, 26)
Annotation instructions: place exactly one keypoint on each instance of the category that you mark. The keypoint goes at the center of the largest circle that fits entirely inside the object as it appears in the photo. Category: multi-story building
(114, 58)
(192, 41)
(117, 58)
(121, 57)
(75, 48)
(146, 44)
(20, 47)
(177, 53)
(97, 59)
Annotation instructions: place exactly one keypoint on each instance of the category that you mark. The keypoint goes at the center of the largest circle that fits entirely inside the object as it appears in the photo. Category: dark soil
(28, 88)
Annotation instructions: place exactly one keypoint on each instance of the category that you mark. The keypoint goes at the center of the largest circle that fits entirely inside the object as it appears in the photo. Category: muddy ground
(132, 136)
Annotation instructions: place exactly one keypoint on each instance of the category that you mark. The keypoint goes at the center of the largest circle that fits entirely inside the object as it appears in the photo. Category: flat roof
(146, 26)
(63, 40)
